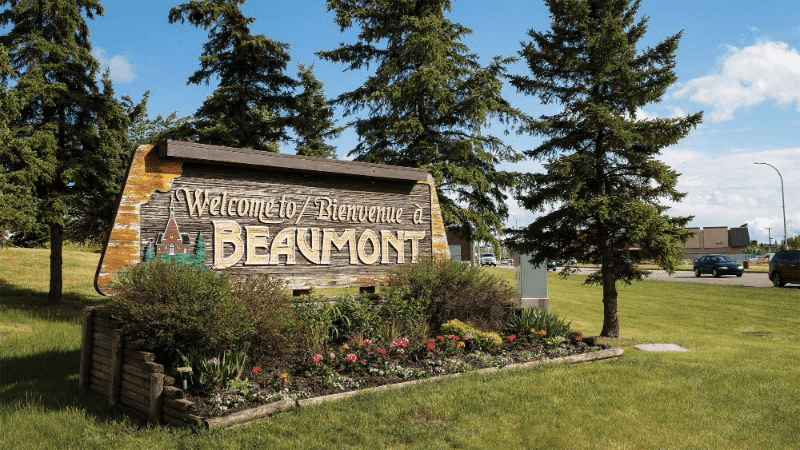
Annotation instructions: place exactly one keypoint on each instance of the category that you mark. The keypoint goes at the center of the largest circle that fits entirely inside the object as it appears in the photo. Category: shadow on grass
(47, 380)
(35, 301)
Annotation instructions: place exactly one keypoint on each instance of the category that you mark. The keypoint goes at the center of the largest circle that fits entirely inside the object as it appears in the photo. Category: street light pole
(783, 202)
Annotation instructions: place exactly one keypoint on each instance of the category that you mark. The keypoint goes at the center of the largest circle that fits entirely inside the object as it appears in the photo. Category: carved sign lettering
(310, 221)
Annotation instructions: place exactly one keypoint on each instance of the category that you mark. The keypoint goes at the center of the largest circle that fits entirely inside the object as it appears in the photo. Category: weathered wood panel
(310, 221)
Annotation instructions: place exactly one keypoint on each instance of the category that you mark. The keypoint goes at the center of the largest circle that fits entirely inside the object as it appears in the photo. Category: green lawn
(730, 390)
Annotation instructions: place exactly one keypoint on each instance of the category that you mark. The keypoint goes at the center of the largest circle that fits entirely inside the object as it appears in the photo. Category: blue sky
(738, 61)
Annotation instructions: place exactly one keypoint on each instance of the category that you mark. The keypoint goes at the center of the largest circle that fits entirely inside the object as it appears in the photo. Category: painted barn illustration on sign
(311, 221)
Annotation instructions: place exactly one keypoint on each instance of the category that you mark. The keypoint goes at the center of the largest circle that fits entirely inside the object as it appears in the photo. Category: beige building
(717, 240)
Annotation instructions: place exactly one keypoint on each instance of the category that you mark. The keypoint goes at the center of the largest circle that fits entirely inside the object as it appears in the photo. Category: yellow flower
(542, 332)
(345, 346)
(533, 330)
(284, 375)
(461, 343)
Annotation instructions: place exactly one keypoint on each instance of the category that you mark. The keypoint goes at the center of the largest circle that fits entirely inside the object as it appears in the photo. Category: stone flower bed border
(135, 384)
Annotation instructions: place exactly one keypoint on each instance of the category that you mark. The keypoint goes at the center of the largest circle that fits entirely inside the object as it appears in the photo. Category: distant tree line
(65, 139)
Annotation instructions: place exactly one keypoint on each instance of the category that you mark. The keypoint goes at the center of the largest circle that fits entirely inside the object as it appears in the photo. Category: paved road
(748, 279)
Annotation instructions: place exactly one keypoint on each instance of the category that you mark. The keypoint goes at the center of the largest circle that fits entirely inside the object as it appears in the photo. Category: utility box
(531, 283)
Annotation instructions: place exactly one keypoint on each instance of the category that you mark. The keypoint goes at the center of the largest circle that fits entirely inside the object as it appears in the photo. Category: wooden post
(156, 396)
(86, 352)
(116, 369)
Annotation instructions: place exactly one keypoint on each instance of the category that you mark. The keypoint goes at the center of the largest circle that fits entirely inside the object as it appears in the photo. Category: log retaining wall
(129, 379)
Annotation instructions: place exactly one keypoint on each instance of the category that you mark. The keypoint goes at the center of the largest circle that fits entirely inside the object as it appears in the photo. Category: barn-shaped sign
(313, 222)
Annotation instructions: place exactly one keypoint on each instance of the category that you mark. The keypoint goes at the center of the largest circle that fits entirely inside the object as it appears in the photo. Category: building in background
(733, 241)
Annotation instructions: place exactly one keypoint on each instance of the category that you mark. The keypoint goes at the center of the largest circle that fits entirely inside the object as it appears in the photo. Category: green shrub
(169, 307)
(269, 309)
(452, 290)
(358, 315)
(536, 318)
(317, 317)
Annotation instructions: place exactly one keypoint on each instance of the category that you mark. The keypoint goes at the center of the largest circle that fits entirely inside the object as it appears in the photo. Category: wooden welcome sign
(311, 221)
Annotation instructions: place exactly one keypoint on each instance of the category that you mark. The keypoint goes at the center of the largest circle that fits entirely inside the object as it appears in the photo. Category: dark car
(784, 268)
(717, 265)
(552, 264)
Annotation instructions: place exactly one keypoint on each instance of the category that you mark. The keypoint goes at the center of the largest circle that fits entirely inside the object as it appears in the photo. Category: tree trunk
(610, 317)
(56, 263)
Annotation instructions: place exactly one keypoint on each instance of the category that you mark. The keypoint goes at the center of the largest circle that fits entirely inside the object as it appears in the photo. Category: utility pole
(783, 203)
(769, 234)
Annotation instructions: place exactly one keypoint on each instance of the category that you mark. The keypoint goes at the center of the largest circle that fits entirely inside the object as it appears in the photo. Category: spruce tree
(145, 130)
(603, 190)
(428, 105)
(57, 155)
(250, 107)
(313, 120)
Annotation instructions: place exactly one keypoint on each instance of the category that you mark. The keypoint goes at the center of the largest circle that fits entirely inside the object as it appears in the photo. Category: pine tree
(200, 249)
(427, 105)
(603, 188)
(313, 121)
(144, 130)
(250, 107)
(95, 201)
(58, 151)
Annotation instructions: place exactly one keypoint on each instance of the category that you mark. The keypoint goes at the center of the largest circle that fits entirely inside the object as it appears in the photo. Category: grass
(730, 390)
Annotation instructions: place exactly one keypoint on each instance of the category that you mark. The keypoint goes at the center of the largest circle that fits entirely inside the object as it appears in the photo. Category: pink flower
(490, 337)
(332, 355)
(382, 351)
(368, 341)
(317, 357)
(431, 340)
(351, 357)
(468, 336)
(402, 342)
(441, 338)
(512, 337)
(431, 345)
(400, 350)
(257, 370)
(213, 361)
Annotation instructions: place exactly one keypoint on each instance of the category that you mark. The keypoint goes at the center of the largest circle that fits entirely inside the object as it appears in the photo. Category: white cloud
(729, 190)
(121, 68)
(747, 77)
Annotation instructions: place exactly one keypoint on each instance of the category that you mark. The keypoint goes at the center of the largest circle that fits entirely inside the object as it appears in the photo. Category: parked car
(552, 264)
(717, 265)
(488, 259)
(784, 268)
(505, 260)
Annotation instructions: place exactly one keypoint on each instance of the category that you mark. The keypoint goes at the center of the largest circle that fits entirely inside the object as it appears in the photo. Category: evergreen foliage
(603, 188)
(427, 105)
(249, 107)
(313, 121)
(145, 130)
(61, 158)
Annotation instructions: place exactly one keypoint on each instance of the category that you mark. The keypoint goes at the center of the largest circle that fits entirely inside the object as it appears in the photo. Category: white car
(488, 259)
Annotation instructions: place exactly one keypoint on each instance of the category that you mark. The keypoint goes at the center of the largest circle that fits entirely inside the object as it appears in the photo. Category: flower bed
(236, 345)
(362, 364)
